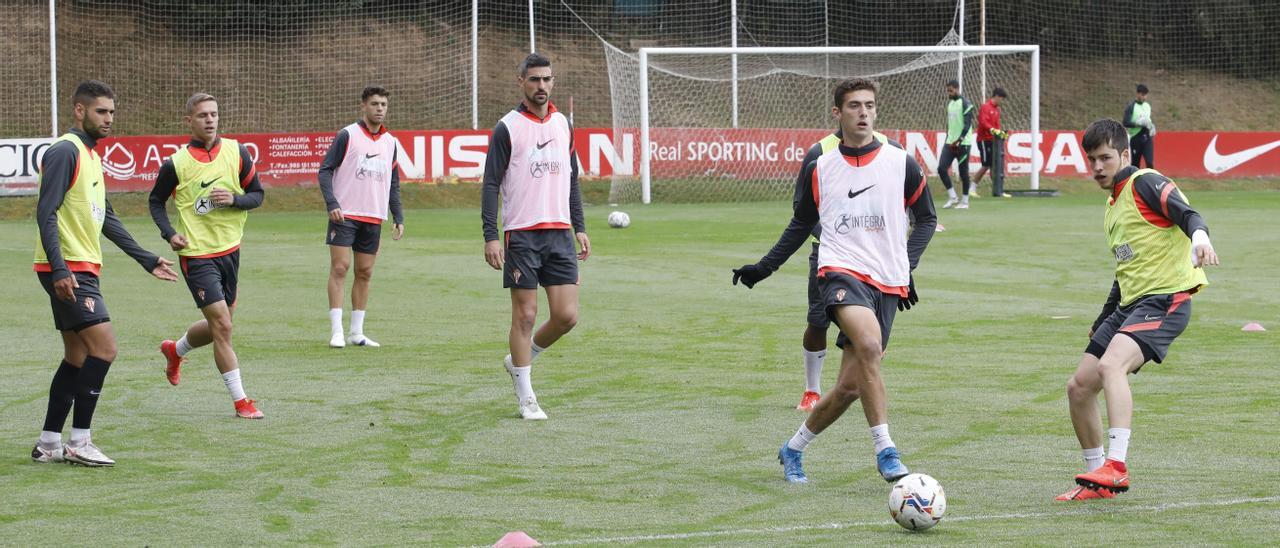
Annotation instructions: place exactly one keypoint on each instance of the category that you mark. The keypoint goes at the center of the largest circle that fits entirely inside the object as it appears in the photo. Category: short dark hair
(373, 90)
(89, 90)
(1105, 132)
(1142, 88)
(851, 85)
(999, 92)
(953, 84)
(534, 60)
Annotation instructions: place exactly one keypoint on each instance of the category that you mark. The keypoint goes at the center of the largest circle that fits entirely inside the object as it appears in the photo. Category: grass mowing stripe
(1095, 509)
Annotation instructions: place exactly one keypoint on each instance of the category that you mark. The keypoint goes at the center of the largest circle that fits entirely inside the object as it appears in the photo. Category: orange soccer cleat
(808, 400)
(1081, 492)
(1113, 476)
(246, 410)
(172, 369)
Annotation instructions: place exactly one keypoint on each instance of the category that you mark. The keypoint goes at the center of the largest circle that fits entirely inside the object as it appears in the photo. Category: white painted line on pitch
(1096, 509)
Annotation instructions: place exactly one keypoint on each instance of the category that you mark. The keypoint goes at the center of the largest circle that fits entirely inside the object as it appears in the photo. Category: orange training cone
(516, 539)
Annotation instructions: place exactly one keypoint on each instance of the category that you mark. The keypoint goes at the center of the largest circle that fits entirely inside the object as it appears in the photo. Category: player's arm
(166, 184)
(1128, 120)
(332, 160)
(56, 169)
(495, 168)
(576, 217)
(918, 201)
(968, 118)
(796, 232)
(803, 218)
(1113, 301)
(393, 198)
(253, 193)
(115, 231)
(1164, 199)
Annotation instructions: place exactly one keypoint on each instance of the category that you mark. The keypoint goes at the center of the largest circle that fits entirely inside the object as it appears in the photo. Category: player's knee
(1109, 367)
(523, 317)
(339, 270)
(867, 348)
(845, 394)
(364, 274)
(221, 328)
(105, 350)
(566, 320)
(1078, 390)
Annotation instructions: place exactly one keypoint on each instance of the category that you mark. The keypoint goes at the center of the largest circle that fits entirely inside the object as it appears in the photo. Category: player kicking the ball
(862, 194)
(1160, 245)
(214, 185)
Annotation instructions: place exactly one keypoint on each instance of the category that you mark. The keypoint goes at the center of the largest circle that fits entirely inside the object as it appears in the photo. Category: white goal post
(915, 57)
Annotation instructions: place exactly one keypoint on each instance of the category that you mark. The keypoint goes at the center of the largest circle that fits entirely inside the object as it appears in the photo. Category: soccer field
(667, 403)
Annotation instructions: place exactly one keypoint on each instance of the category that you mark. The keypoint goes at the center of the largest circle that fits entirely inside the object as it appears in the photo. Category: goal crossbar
(645, 53)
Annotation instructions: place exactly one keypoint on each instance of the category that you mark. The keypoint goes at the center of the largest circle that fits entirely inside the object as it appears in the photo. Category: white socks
(951, 193)
(802, 438)
(357, 322)
(1093, 458)
(1119, 443)
(232, 380)
(813, 370)
(335, 321)
(79, 436)
(880, 435)
(50, 439)
(534, 350)
(523, 379)
(182, 346)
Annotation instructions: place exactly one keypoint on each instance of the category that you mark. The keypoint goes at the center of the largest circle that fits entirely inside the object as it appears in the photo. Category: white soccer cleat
(530, 411)
(46, 455)
(336, 341)
(358, 339)
(86, 454)
(951, 202)
(962, 205)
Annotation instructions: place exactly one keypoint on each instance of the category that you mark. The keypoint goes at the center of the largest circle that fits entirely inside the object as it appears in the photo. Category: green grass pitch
(667, 403)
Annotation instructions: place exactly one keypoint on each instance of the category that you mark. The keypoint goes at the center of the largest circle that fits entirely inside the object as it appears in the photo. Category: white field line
(1092, 509)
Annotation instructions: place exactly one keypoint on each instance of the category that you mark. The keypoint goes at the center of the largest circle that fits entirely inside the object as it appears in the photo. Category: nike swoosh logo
(1151, 318)
(368, 156)
(853, 194)
(1221, 163)
(545, 144)
(206, 185)
(95, 183)
(92, 393)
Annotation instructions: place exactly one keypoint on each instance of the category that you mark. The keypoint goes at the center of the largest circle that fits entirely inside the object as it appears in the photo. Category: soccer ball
(917, 502)
(619, 219)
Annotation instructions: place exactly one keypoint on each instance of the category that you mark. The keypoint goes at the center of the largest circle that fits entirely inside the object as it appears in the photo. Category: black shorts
(817, 307)
(1153, 322)
(213, 279)
(844, 290)
(88, 310)
(985, 151)
(360, 236)
(540, 257)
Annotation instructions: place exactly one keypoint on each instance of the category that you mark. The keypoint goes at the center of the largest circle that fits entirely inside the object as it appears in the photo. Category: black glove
(904, 303)
(751, 274)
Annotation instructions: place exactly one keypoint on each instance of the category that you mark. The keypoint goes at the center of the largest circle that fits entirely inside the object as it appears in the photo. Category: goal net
(732, 124)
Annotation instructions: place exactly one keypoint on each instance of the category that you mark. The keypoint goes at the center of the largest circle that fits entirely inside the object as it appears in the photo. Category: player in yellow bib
(1160, 245)
(213, 184)
(72, 215)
